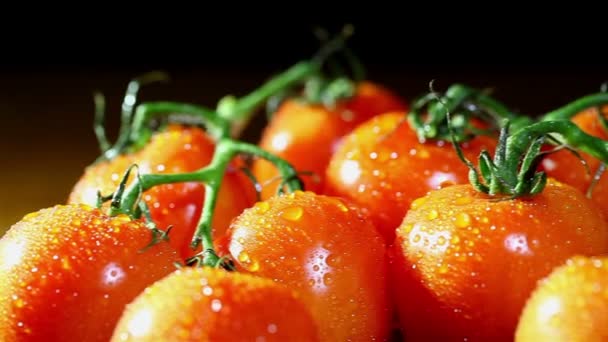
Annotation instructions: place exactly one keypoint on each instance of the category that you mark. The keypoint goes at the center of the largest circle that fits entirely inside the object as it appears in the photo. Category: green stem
(233, 109)
(569, 133)
(568, 111)
(211, 175)
(128, 105)
(140, 133)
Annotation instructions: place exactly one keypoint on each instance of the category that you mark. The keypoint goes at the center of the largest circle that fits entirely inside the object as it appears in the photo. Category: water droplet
(328, 279)
(418, 202)
(462, 220)
(292, 213)
(373, 156)
(433, 214)
(254, 266)
(441, 240)
(315, 268)
(19, 303)
(244, 257)
(272, 328)
(160, 167)
(262, 207)
(207, 290)
(216, 305)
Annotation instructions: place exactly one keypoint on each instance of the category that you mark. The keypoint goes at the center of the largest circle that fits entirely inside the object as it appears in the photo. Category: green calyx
(513, 171)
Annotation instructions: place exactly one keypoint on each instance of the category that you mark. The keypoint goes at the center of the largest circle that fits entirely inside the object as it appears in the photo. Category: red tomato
(383, 167)
(327, 251)
(571, 304)
(466, 262)
(204, 304)
(566, 167)
(67, 272)
(176, 149)
(307, 135)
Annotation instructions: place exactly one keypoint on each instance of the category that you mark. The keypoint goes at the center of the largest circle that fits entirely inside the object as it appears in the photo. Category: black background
(48, 75)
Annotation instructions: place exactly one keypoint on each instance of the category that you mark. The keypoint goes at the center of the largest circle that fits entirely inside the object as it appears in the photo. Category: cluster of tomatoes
(417, 220)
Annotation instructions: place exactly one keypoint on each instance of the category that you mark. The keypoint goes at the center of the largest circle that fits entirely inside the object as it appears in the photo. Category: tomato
(67, 272)
(566, 167)
(307, 135)
(383, 167)
(327, 251)
(571, 304)
(176, 149)
(464, 263)
(206, 304)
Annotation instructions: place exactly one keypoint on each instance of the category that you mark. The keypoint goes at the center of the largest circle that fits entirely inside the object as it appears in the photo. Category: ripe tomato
(176, 149)
(566, 167)
(383, 167)
(467, 262)
(571, 304)
(326, 250)
(307, 135)
(205, 304)
(67, 272)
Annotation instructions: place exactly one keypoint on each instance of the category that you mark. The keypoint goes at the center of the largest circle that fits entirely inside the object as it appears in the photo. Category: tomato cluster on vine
(361, 214)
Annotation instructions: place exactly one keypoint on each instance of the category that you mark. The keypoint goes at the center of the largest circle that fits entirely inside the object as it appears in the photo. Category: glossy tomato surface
(327, 251)
(307, 135)
(204, 304)
(67, 272)
(383, 167)
(174, 150)
(467, 263)
(571, 304)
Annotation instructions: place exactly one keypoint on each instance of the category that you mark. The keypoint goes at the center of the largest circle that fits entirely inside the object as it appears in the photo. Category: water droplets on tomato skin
(292, 213)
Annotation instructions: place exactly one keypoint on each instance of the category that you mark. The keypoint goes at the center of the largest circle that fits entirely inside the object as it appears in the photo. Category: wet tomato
(67, 272)
(327, 251)
(176, 149)
(568, 168)
(571, 304)
(383, 167)
(205, 304)
(306, 135)
(467, 262)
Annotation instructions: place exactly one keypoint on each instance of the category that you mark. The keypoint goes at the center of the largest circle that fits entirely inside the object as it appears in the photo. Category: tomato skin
(307, 135)
(67, 272)
(467, 263)
(567, 168)
(327, 251)
(205, 304)
(176, 149)
(383, 167)
(571, 304)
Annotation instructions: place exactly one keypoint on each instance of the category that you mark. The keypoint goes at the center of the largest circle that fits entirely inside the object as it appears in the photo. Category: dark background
(47, 77)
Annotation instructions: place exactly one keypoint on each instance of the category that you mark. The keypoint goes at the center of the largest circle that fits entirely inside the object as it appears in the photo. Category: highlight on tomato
(66, 272)
(570, 304)
(466, 257)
